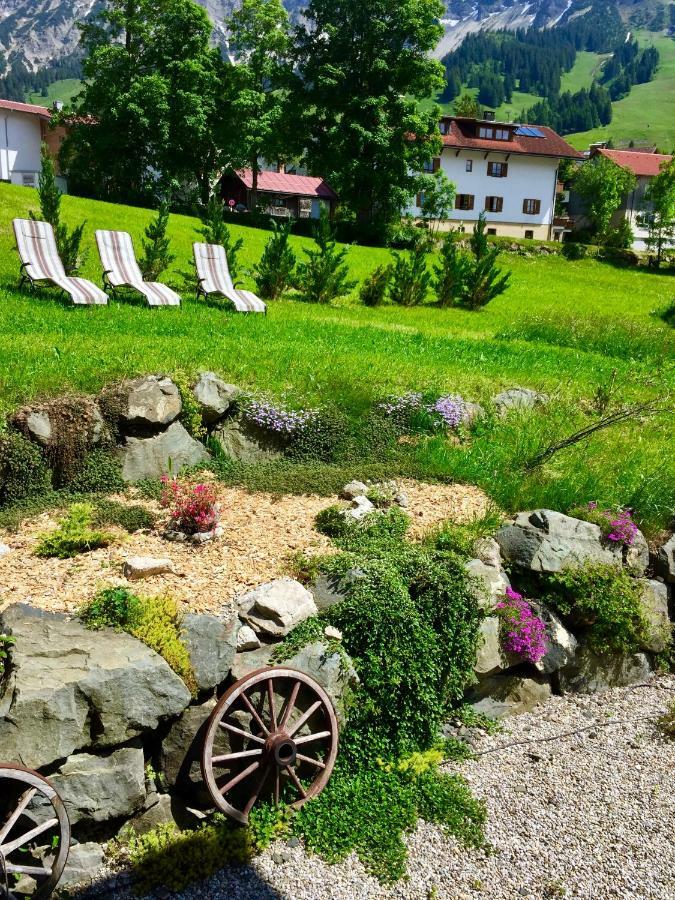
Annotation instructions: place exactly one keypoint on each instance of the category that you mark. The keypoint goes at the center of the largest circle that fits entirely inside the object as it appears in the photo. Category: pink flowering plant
(522, 631)
(616, 524)
(192, 508)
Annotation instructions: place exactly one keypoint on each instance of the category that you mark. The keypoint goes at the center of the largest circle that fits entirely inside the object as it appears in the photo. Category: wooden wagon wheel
(34, 834)
(273, 733)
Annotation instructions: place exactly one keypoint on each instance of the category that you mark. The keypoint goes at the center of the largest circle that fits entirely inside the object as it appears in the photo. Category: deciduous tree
(602, 185)
(659, 212)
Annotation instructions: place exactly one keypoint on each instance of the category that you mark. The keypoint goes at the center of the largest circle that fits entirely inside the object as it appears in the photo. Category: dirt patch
(262, 531)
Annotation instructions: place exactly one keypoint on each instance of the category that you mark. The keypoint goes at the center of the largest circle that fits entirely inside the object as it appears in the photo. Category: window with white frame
(469, 165)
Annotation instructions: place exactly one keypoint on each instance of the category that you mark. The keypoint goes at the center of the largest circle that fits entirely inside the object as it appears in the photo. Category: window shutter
(505, 169)
(500, 204)
(418, 201)
(437, 163)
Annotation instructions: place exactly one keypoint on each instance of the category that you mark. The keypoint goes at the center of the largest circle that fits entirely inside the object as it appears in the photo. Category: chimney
(281, 168)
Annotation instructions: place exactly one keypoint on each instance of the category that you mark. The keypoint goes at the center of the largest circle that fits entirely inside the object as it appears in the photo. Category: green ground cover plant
(598, 321)
(74, 534)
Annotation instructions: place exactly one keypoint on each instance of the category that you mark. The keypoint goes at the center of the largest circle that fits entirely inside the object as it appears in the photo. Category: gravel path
(589, 815)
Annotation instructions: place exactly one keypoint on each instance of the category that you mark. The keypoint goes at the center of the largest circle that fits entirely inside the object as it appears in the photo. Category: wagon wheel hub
(283, 749)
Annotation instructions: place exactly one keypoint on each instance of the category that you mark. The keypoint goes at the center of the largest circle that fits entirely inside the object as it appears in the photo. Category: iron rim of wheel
(46, 879)
(273, 757)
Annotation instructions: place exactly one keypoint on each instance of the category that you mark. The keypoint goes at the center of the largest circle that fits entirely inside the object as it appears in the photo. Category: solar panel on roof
(529, 131)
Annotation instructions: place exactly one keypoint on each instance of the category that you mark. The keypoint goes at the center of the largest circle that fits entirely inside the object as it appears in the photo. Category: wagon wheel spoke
(16, 815)
(28, 870)
(254, 712)
(306, 738)
(233, 782)
(254, 796)
(277, 786)
(290, 705)
(240, 731)
(226, 758)
(297, 782)
(29, 835)
(313, 762)
(303, 718)
(270, 697)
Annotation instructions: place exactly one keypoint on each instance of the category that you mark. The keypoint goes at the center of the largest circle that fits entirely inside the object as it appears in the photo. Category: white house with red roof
(23, 128)
(506, 170)
(645, 165)
(281, 193)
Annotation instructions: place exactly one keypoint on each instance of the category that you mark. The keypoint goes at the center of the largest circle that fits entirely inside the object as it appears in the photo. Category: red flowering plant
(522, 631)
(192, 508)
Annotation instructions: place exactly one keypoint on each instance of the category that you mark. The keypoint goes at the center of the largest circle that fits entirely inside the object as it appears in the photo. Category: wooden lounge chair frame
(126, 272)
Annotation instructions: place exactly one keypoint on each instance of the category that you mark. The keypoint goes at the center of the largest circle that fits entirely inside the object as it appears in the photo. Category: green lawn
(59, 90)
(561, 327)
(586, 67)
(646, 114)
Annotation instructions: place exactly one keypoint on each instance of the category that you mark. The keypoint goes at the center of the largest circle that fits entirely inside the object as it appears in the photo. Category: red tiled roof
(639, 163)
(462, 134)
(282, 183)
(29, 108)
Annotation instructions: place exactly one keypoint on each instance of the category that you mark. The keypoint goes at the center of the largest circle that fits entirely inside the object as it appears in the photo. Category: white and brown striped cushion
(118, 258)
(37, 249)
(213, 273)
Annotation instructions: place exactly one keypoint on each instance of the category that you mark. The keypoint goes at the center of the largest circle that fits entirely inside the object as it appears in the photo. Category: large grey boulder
(215, 397)
(250, 660)
(637, 554)
(247, 639)
(547, 541)
(98, 788)
(84, 862)
(562, 645)
(490, 582)
(518, 398)
(143, 405)
(490, 658)
(509, 695)
(332, 669)
(275, 608)
(590, 672)
(211, 644)
(151, 457)
(180, 751)
(328, 590)
(664, 562)
(654, 605)
(487, 550)
(244, 444)
(72, 688)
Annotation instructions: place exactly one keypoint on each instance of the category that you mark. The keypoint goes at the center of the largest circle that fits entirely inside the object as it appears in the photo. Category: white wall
(20, 137)
(529, 177)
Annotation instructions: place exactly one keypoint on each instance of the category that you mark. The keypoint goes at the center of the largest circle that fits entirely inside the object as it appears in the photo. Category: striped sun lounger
(40, 261)
(120, 269)
(213, 276)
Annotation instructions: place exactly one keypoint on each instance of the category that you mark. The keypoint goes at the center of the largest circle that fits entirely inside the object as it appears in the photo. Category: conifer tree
(68, 242)
(274, 272)
(156, 257)
(324, 276)
(215, 231)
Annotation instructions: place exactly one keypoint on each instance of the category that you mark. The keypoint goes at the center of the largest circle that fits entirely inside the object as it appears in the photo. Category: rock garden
(483, 669)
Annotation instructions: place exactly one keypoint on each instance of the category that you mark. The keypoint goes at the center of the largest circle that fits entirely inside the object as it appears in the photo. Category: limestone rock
(332, 633)
(139, 567)
(562, 644)
(334, 671)
(489, 656)
(4, 550)
(98, 788)
(518, 398)
(359, 509)
(158, 810)
(654, 603)
(665, 560)
(151, 457)
(637, 555)
(73, 688)
(215, 396)
(245, 444)
(354, 489)
(589, 672)
(547, 541)
(509, 695)
(472, 412)
(330, 589)
(245, 663)
(143, 405)
(180, 752)
(492, 582)
(275, 608)
(84, 861)
(211, 645)
(247, 639)
(487, 550)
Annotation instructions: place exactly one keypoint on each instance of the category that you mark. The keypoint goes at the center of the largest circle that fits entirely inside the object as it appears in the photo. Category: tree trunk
(254, 185)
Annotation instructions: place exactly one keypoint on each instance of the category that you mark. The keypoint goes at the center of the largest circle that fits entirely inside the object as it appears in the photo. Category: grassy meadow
(571, 329)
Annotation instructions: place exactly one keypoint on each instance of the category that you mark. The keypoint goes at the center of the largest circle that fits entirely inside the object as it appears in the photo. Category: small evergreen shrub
(215, 231)
(381, 528)
(74, 534)
(156, 256)
(605, 599)
(68, 242)
(100, 473)
(115, 607)
(159, 628)
(451, 273)
(410, 277)
(324, 276)
(131, 518)
(274, 273)
(374, 289)
(23, 470)
(485, 281)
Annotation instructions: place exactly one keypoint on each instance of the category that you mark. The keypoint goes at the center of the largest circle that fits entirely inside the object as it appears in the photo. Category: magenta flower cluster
(446, 412)
(193, 509)
(523, 632)
(278, 419)
(620, 528)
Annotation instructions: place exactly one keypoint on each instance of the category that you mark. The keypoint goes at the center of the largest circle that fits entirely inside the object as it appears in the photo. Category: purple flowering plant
(276, 418)
(522, 631)
(413, 412)
(617, 524)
